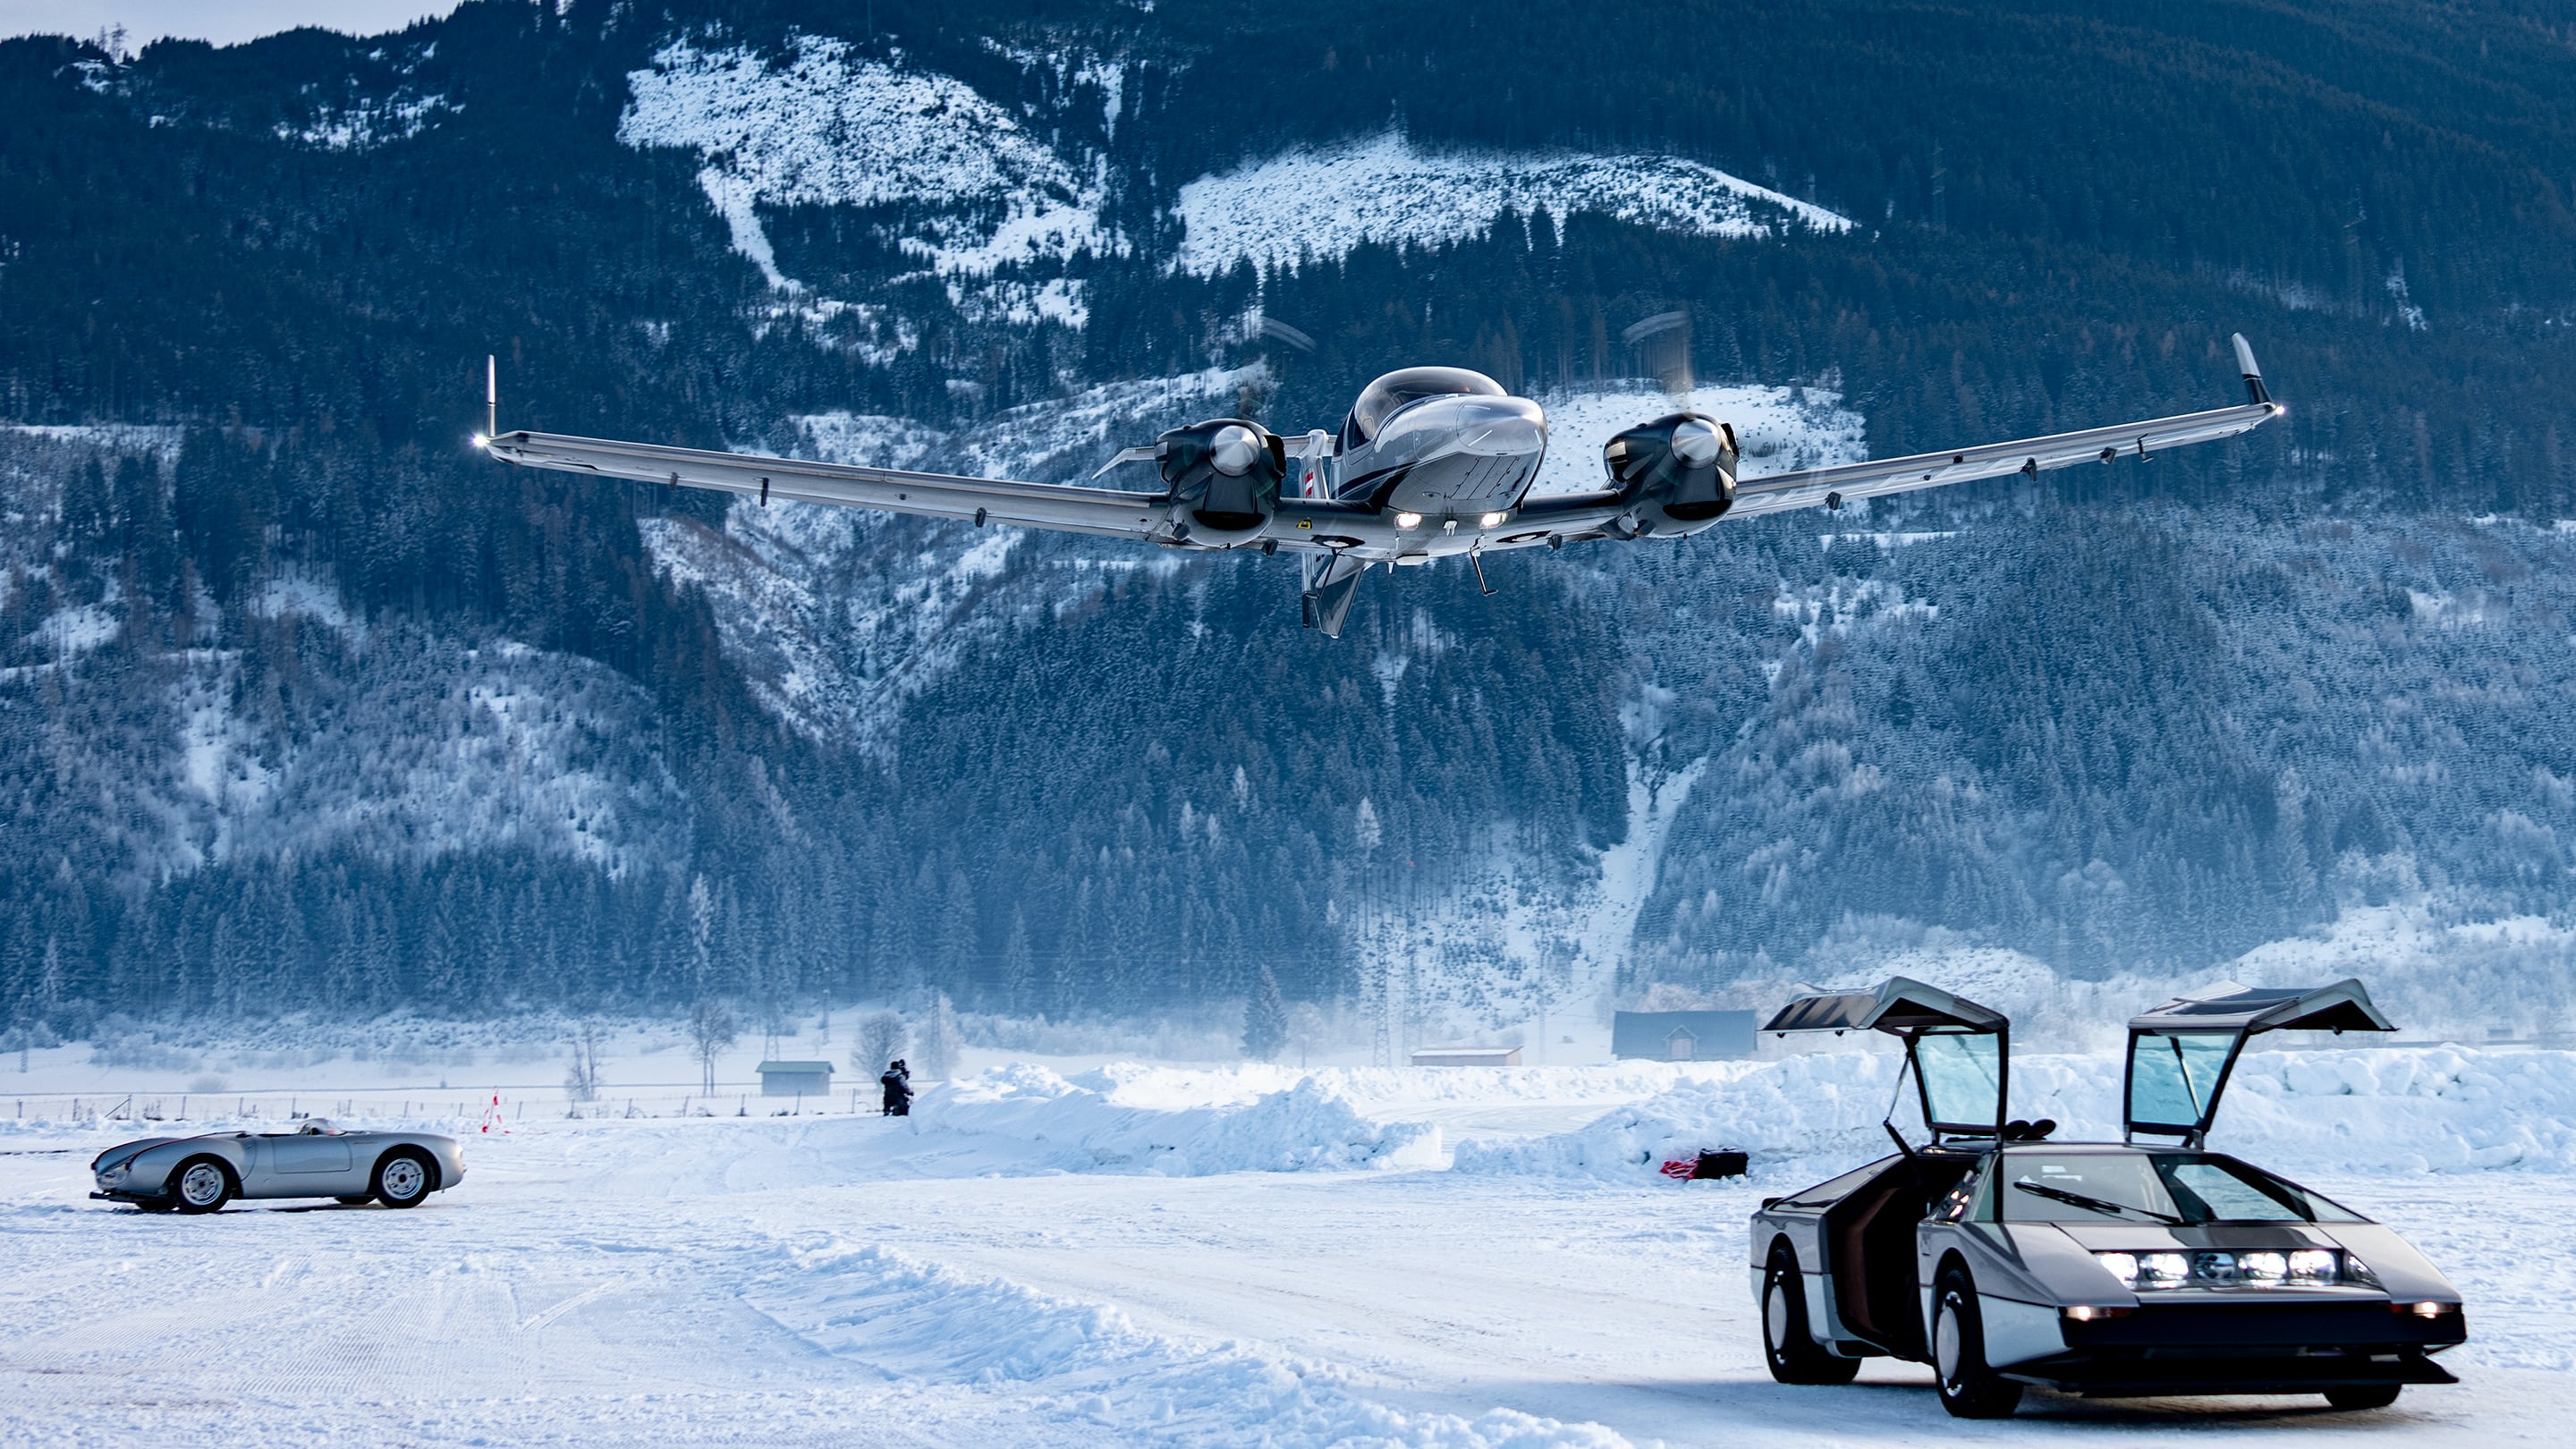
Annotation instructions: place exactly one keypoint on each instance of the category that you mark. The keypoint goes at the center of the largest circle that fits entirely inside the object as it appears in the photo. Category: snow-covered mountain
(284, 663)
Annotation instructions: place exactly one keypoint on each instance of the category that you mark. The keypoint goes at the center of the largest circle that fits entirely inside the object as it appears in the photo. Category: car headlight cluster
(2297, 1268)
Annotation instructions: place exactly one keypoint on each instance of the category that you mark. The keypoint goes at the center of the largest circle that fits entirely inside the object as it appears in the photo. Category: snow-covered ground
(1157, 1255)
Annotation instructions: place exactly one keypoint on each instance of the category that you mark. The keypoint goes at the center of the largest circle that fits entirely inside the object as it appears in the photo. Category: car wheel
(1787, 1346)
(403, 1179)
(201, 1185)
(1969, 1388)
(353, 1200)
(2363, 1396)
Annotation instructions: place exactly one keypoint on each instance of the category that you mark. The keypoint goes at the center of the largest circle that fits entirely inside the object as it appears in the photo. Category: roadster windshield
(2158, 1187)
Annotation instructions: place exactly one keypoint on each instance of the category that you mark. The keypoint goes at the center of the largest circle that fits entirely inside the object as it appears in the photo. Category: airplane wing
(1832, 487)
(1062, 507)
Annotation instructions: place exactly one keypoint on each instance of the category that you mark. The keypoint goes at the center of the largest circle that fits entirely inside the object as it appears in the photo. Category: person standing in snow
(897, 1082)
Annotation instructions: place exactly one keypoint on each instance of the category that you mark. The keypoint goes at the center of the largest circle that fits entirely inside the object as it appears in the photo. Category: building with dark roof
(795, 1079)
(1681, 1036)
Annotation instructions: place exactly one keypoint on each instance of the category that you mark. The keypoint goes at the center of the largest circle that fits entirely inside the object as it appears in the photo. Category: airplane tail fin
(2255, 391)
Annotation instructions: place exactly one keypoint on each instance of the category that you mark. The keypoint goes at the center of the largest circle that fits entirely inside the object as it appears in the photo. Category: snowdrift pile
(921, 1321)
(2432, 1109)
(1127, 1118)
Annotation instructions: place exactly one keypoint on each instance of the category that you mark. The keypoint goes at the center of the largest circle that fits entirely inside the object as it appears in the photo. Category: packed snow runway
(1036, 1261)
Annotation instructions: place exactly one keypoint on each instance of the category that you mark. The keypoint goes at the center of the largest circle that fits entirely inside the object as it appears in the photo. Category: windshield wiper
(2096, 1204)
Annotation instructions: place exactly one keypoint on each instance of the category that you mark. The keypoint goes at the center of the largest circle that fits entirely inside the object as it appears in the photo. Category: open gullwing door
(2182, 1052)
(1957, 1051)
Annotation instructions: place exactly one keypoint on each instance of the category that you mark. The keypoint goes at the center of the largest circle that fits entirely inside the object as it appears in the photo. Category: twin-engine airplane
(1432, 462)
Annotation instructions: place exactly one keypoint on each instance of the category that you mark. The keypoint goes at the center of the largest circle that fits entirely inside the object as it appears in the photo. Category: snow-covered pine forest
(303, 706)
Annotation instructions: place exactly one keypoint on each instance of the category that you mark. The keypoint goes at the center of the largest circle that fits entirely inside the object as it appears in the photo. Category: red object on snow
(1708, 1164)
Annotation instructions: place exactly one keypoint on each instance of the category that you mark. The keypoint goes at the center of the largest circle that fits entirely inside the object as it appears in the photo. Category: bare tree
(28, 1037)
(881, 1038)
(581, 1077)
(711, 1031)
(941, 1043)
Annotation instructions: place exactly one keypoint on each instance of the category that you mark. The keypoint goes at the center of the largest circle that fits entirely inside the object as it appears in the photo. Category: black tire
(202, 1185)
(2363, 1396)
(405, 1177)
(1787, 1346)
(1970, 1389)
(354, 1200)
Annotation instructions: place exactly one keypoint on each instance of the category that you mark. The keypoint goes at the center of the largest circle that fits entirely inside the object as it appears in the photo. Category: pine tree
(1019, 964)
(1265, 1019)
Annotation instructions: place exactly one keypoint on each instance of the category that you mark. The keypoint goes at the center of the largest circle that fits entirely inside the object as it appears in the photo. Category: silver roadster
(2003, 1259)
(317, 1159)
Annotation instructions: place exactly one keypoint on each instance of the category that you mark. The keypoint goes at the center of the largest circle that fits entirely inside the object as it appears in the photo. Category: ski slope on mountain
(1318, 204)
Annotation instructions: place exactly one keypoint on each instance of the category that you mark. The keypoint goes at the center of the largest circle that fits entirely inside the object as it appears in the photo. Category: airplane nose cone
(1234, 450)
(1697, 442)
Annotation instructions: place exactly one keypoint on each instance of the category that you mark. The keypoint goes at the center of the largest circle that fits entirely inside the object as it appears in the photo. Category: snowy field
(1157, 1255)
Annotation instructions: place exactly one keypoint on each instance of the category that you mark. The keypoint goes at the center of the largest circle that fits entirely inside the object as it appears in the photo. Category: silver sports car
(201, 1174)
(2003, 1259)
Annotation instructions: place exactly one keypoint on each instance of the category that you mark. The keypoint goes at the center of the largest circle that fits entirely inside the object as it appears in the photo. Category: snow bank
(1804, 1107)
(1325, 202)
(2429, 1109)
(1094, 1365)
(1127, 1118)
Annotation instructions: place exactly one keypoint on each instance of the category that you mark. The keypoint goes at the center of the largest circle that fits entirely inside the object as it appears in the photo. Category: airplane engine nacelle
(1224, 476)
(1676, 474)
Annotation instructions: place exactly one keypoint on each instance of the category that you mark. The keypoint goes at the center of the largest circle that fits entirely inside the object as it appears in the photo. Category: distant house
(1681, 1036)
(1467, 1056)
(795, 1079)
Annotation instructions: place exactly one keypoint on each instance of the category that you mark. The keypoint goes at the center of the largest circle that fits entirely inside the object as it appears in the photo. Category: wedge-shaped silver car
(317, 1159)
(2003, 1259)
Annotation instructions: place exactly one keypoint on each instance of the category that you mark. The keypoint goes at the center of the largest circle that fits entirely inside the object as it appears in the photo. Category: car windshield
(2176, 1188)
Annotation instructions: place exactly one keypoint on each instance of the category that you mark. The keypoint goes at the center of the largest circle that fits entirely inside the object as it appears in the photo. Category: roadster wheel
(1969, 1388)
(201, 1186)
(2363, 1396)
(1787, 1346)
(402, 1179)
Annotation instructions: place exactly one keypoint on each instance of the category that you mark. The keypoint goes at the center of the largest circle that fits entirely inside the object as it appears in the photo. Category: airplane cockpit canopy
(1379, 400)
